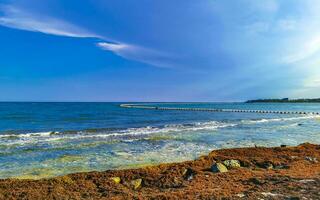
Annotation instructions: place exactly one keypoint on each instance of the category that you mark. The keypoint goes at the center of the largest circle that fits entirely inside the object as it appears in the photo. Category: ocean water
(39, 140)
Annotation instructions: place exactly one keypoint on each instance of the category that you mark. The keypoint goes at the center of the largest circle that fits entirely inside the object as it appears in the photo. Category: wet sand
(265, 173)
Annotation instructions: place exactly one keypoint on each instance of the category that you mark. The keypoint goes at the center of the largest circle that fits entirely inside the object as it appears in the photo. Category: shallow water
(48, 139)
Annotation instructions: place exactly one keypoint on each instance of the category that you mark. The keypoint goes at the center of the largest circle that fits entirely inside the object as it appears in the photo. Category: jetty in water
(144, 106)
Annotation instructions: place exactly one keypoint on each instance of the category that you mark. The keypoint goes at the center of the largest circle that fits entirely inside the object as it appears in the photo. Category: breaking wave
(279, 119)
(130, 133)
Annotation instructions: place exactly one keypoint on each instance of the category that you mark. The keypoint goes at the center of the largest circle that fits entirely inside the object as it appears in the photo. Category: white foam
(131, 133)
(122, 134)
(27, 135)
(279, 119)
(212, 125)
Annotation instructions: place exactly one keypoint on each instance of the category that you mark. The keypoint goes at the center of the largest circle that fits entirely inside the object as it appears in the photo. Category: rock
(190, 177)
(136, 183)
(266, 194)
(232, 164)
(117, 180)
(241, 195)
(218, 167)
(282, 167)
(311, 159)
(188, 174)
(266, 165)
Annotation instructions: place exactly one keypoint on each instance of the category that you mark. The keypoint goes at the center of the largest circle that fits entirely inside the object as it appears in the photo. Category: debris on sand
(294, 175)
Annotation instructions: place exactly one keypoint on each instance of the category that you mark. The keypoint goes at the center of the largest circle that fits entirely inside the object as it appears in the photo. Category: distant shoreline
(284, 100)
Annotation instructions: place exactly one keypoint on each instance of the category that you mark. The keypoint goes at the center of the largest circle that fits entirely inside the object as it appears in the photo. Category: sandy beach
(241, 173)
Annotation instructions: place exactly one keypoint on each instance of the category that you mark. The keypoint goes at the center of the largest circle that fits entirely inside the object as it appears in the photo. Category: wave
(130, 134)
(255, 121)
(27, 135)
(108, 134)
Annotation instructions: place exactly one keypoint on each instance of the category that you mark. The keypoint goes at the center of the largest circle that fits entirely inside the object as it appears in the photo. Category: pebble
(117, 180)
(232, 164)
(306, 180)
(268, 166)
(311, 159)
(269, 194)
(218, 167)
(136, 183)
(188, 174)
(241, 195)
(282, 167)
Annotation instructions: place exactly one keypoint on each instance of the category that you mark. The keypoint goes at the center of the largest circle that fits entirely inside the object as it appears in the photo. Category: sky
(159, 50)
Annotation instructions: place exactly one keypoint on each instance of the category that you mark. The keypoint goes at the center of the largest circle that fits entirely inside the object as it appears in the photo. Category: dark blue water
(49, 139)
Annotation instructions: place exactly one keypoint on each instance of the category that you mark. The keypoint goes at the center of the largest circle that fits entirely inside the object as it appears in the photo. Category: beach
(45, 140)
(263, 173)
(158, 99)
(185, 151)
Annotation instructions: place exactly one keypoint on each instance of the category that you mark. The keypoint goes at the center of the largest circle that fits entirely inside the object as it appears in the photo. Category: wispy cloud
(137, 53)
(17, 18)
(312, 82)
(287, 37)
(307, 50)
(118, 48)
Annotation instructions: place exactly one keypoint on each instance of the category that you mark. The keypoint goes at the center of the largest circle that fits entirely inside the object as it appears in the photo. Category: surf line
(144, 106)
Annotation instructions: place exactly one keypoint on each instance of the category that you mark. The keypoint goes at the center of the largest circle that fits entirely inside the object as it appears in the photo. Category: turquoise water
(49, 139)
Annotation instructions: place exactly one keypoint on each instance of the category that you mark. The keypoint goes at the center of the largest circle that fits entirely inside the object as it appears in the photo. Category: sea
(42, 140)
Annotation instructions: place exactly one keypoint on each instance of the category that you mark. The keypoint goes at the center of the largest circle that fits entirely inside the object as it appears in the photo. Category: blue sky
(164, 50)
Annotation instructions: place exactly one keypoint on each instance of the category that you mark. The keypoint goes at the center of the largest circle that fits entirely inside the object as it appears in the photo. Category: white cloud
(305, 51)
(137, 53)
(118, 48)
(312, 82)
(17, 18)
(309, 88)
(291, 37)
(14, 17)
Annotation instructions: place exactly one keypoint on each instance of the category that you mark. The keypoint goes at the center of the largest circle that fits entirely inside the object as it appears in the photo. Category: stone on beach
(268, 165)
(169, 181)
(136, 183)
(311, 159)
(117, 180)
(232, 164)
(188, 174)
(218, 167)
